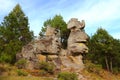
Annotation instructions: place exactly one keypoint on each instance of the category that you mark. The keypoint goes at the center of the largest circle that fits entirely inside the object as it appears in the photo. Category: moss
(67, 76)
(22, 72)
(48, 67)
(21, 63)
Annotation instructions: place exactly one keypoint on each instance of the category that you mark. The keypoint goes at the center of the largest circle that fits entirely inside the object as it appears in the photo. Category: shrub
(67, 76)
(21, 64)
(48, 67)
(95, 68)
(42, 72)
(5, 58)
(116, 70)
(22, 73)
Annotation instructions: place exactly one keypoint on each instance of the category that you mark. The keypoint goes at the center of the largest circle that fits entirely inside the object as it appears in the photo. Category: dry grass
(95, 72)
(105, 75)
(23, 78)
(10, 73)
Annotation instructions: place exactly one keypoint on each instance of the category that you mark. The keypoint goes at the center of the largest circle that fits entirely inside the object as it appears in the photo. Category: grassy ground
(23, 78)
(92, 72)
(95, 72)
(8, 72)
(102, 76)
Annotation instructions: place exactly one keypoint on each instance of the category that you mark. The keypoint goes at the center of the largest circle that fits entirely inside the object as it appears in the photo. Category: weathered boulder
(76, 46)
(77, 38)
(35, 50)
(27, 52)
(75, 23)
(50, 42)
(77, 49)
(76, 42)
(71, 63)
(48, 48)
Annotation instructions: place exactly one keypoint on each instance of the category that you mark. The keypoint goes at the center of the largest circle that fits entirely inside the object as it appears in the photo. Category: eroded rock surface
(64, 60)
(76, 46)
(36, 50)
(77, 38)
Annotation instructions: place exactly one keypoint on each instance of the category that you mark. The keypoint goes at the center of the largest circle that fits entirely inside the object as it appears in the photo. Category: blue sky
(96, 13)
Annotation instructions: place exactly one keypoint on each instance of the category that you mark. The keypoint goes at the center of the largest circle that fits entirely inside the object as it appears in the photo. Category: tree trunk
(111, 65)
(46, 58)
(107, 65)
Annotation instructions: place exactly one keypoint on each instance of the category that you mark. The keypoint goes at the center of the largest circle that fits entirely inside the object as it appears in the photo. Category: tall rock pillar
(77, 40)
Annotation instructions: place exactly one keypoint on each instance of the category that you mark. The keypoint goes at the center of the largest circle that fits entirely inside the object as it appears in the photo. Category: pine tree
(57, 22)
(15, 33)
(104, 50)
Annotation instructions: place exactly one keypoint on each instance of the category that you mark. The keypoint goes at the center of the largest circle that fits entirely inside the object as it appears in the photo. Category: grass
(95, 72)
(9, 72)
(91, 72)
(23, 78)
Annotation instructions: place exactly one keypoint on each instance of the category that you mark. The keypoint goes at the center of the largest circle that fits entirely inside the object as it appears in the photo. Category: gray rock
(69, 59)
(48, 45)
(75, 23)
(77, 38)
(76, 45)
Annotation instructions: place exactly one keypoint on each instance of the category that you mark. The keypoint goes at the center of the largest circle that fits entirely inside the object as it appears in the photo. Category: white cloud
(6, 5)
(95, 13)
(100, 13)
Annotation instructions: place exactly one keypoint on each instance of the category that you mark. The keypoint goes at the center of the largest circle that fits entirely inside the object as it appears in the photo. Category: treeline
(15, 33)
(104, 50)
(58, 23)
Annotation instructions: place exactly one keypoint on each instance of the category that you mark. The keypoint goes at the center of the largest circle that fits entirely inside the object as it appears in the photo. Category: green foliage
(14, 33)
(48, 67)
(116, 70)
(5, 58)
(22, 73)
(95, 68)
(21, 64)
(58, 23)
(67, 76)
(104, 50)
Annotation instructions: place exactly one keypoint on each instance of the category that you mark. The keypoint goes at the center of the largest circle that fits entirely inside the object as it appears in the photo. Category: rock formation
(69, 59)
(36, 50)
(76, 46)
(77, 38)
(50, 43)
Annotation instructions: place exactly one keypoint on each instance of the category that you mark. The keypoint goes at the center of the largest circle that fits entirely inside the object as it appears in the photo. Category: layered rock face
(35, 51)
(77, 38)
(76, 46)
(49, 45)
